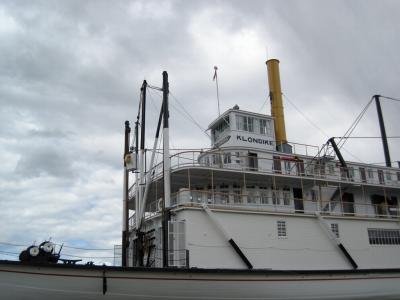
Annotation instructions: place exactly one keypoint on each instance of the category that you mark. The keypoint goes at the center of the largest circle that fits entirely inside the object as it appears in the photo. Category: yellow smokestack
(275, 93)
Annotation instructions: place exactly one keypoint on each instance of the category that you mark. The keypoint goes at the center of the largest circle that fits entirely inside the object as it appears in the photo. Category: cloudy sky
(70, 73)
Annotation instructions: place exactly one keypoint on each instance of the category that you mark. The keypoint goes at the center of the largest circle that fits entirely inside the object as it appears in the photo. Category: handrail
(297, 168)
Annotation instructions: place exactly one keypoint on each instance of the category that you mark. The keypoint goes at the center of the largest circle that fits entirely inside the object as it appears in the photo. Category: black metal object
(165, 88)
(241, 254)
(165, 213)
(348, 256)
(383, 131)
(143, 120)
(339, 155)
(126, 179)
(104, 282)
(44, 253)
(139, 234)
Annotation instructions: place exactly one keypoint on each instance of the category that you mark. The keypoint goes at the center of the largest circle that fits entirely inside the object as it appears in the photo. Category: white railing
(188, 197)
(288, 165)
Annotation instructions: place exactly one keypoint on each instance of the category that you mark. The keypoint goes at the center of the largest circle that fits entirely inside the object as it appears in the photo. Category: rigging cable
(189, 115)
(318, 128)
(354, 124)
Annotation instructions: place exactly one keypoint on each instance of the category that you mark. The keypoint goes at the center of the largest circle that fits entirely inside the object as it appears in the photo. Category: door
(348, 203)
(253, 161)
(277, 165)
(298, 200)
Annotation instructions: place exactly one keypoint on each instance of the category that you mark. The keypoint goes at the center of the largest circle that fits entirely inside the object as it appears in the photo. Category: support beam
(336, 240)
(125, 209)
(235, 246)
(383, 132)
(339, 155)
(166, 169)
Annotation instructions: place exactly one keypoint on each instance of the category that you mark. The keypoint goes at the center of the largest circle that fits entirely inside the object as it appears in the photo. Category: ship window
(362, 175)
(379, 236)
(245, 123)
(265, 127)
(370, 174)
(351, 172)
(381, 177)
(286, 196)
(398, 176)
(275, 198)
(227, 158)
(331, 169)
(388, 176)
(287, 167)
(335, 229)
(281, 226)
(264, 197)
(221, 127)
(314, 196)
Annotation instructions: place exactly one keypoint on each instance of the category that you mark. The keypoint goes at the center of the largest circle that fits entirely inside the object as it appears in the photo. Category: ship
(252, 216)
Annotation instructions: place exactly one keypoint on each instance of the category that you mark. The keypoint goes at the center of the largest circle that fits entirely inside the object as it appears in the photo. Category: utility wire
(368, 137)
(64, 246)
(354, 124)
(304, 116)
(189, 115)
(390, 98)
(318, 128)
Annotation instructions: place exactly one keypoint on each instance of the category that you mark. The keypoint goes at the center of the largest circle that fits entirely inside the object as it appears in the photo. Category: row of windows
(282, 232)
(379, 236)
(362, 173)
(256, 125)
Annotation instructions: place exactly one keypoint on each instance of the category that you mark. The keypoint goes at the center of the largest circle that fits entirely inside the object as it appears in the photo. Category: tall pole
(166, 168)
(142, 159)
(216, 83)
(125, 209)
(383, 131)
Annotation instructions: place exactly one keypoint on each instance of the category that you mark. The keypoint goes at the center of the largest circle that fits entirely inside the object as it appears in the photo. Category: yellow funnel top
(275, 93)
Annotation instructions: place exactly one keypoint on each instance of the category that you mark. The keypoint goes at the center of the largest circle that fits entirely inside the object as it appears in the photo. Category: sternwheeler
(253, 216)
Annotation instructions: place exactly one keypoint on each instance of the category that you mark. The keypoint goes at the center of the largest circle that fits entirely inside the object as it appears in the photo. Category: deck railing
(280, 204)
(287, 165)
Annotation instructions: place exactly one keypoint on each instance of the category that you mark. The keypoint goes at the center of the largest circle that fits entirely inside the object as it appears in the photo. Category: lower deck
(276, 241)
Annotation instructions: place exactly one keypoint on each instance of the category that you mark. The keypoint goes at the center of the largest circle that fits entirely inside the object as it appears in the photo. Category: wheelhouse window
(265, 127)
(245, 123)
(221, 127)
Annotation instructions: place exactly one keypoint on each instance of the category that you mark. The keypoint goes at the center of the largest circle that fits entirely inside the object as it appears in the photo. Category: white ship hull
(18, 281)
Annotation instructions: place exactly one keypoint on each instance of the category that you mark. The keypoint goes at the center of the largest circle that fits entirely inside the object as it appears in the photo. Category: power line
(189, 115)
(368, 137)
(390, 98)
(304, 116)
(64, 246)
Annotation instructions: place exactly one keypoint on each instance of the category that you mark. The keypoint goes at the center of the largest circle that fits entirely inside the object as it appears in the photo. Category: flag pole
(216, 83)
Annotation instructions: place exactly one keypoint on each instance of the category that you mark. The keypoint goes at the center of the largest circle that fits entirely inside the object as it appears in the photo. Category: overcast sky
(70, 73)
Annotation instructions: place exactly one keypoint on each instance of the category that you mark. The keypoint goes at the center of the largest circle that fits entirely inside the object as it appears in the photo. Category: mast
(383, 131)
(125, 210)
(139, 234)
(166, 168)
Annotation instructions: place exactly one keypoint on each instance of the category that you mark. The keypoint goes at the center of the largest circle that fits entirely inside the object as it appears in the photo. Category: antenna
(216, 83)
